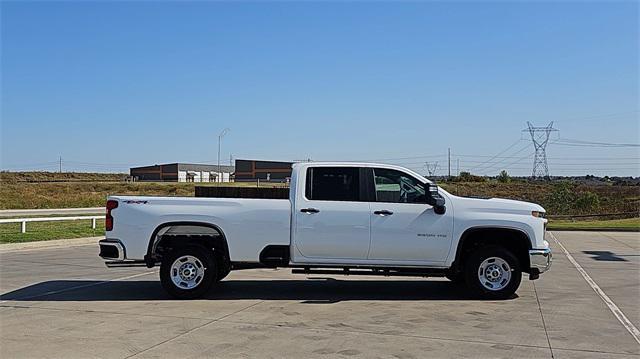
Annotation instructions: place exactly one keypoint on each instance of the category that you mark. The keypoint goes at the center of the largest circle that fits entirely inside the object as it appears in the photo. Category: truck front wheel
(188, 272)
(492, 272)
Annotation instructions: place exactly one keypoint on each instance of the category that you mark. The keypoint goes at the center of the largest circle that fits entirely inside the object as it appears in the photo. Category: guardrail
(23, 221)
(15, 213)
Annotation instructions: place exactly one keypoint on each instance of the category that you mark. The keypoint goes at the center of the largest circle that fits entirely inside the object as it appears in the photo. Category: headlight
(538, 214)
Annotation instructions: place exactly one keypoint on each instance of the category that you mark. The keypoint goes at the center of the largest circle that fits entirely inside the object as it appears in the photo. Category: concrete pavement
(63, 302)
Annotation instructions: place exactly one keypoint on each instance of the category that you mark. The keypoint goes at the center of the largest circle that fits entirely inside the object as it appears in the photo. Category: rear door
(404, 228)
(332, 217)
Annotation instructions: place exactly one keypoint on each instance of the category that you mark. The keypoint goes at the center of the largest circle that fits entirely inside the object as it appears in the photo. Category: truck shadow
(312, 290)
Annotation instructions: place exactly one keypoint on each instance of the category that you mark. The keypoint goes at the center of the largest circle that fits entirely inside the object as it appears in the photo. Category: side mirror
(435, 199)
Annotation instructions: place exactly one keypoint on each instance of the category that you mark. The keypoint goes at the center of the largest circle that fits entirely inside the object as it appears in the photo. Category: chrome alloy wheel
(187, 272)
(494, 273)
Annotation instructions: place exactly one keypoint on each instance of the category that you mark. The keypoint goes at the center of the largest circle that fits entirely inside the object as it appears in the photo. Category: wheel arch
(218, 242)
(513, 238)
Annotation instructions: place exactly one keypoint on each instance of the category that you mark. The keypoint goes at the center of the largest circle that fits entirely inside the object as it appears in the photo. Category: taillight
(108, 222)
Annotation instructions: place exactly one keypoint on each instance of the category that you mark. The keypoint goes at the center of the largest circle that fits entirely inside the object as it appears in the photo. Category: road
(63, 302)
(47, 212)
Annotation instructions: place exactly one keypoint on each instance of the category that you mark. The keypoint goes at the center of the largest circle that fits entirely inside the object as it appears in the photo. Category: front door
(332, 219)
(403, 227)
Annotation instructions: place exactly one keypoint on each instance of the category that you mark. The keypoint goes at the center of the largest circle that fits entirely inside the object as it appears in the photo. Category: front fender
(533, 231)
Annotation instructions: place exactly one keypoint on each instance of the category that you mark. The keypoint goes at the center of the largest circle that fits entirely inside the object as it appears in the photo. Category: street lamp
(222, 134)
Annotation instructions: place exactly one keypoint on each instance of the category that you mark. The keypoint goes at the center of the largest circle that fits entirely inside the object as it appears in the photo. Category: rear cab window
(334, 184)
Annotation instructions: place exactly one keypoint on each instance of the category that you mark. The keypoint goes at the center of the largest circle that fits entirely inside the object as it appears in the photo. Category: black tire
(504, 290)
(223, 273)
(224, 267)
(457, 277)
(204, 257)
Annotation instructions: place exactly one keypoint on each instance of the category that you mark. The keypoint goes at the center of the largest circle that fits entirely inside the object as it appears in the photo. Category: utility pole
(540, 138)
(449, 162)
(458, 167)
(222, 134)
(60, 164)
(230, 159)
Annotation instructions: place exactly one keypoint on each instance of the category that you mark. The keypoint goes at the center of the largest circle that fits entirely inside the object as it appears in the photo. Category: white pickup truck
(340, 218)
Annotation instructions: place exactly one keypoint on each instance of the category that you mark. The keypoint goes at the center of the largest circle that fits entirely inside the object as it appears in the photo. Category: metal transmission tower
(540, 138)
(431, 167)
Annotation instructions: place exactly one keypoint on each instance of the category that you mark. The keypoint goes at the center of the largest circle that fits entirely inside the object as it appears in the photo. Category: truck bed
(252, 223)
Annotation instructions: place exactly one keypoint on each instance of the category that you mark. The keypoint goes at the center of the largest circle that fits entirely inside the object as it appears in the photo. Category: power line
(587, 169)
(401, 158)
(562, 158)
(581, 143)
(486, 169)
(598, 164)
(510, 164)
(601, 116)
(501, 152)
(571, 164)
(104, 164)
(33, 164)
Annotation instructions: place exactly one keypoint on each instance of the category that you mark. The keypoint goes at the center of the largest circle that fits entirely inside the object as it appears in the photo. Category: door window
(333, 184)
(397, 187)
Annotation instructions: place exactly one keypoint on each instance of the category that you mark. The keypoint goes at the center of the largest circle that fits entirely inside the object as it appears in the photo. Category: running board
(120, 264)
(373, 272)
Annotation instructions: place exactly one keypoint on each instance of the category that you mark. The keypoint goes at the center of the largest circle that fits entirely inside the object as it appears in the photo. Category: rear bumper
(112, 249)
(540, 259)
(115, 255)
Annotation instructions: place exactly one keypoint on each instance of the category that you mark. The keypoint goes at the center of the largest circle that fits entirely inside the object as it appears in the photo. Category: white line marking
(605, 298)
(77, 287)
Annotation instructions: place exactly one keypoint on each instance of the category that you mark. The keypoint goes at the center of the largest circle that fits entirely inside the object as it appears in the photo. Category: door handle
(384, 212)
(309, 210)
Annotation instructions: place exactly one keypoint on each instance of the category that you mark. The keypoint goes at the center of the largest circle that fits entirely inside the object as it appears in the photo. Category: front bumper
(540, 259)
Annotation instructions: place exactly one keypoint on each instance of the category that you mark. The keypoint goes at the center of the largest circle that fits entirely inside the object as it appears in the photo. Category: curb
(73, 242)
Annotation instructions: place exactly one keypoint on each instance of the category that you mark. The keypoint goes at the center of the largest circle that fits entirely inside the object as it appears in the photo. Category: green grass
(43, 231)
(627, 224)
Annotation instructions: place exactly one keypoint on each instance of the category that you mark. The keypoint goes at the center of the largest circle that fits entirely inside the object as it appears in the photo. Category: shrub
(468, 177)
(561, 198)
(587, 201)
(504, 177)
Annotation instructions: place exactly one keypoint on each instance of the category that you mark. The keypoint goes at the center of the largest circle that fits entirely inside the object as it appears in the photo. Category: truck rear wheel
(188, 272)
(492, 272)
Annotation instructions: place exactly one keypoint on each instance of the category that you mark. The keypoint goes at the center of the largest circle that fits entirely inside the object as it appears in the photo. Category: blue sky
(106, 85)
